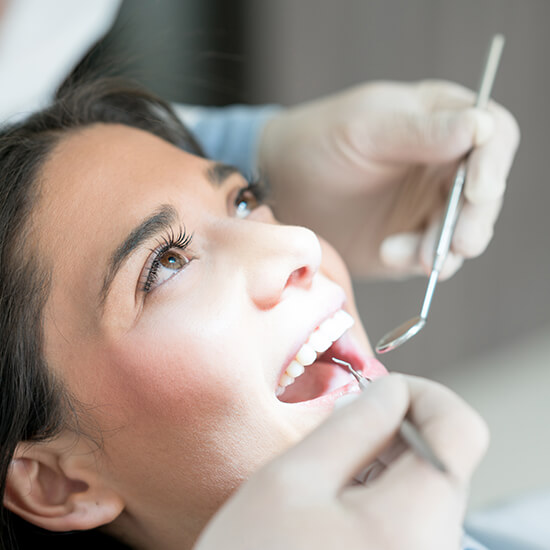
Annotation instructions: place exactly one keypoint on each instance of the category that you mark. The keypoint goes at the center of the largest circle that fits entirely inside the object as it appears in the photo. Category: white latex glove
(303, 499)
(370, 170)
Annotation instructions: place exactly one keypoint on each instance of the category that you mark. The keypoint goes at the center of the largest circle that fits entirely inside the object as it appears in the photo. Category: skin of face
(180, 381)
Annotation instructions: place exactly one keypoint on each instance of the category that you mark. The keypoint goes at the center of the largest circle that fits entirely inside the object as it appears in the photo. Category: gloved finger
(474, 228)
(452, 263)
(399, 253)
(458, 436)
(412, 490)
(455, 432)
(407, 254)
(441, 136)
(346, 442)
(440, 95)
(491, 160)
(490, 163)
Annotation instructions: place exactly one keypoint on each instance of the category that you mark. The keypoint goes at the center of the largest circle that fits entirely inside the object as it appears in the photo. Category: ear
(57, 486)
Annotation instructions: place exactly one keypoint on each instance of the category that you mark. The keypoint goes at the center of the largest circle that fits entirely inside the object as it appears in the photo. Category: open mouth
(312, 374)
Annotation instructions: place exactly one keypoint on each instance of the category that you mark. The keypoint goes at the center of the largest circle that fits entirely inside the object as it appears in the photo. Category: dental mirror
(400, 335)
(406, 331)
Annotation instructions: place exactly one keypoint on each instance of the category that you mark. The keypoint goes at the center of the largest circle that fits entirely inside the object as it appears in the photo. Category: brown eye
(166, 266)
(173, 260)
(245, 202)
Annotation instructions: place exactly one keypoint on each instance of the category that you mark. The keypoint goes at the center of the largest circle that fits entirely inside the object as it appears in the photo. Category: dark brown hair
(33, 405)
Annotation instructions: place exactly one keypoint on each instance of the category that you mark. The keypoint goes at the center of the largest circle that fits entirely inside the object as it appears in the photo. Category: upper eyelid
(259, 185)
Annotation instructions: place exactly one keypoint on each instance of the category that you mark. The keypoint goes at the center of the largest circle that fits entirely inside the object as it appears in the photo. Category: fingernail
(485, 127)
(345, 399)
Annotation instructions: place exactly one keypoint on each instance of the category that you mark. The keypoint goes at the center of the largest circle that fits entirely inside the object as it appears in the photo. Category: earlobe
(58, 494)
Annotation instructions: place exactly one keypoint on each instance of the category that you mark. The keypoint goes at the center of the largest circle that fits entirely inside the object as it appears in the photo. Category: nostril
(300, 277)
(285, 258)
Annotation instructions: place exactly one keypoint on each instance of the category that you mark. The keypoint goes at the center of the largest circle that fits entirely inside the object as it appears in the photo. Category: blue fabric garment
(521, 524)
(468, 543)
(229, 134)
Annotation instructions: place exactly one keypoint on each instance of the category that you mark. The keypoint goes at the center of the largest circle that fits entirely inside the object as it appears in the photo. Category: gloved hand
(370, 169)
(303, 499)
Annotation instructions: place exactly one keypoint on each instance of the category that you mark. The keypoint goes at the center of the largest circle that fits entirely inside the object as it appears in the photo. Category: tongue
(319, 379)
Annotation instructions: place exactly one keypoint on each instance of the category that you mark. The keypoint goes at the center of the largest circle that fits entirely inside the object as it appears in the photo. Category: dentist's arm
(303, 499)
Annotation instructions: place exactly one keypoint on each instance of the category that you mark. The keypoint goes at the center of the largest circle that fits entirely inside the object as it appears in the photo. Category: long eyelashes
(180, 241)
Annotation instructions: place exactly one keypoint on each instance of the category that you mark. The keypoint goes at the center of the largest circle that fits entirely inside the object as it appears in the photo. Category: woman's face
(175, 346)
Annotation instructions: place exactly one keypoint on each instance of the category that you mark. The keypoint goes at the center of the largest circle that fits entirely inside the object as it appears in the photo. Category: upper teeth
(320, 340)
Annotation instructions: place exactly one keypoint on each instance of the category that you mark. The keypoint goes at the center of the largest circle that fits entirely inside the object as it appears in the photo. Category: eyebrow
(218, 172)
(161, 220)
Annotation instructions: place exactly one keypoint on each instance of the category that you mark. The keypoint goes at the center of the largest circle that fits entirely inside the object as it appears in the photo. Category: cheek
(185, 394)
(183, 361)
(334, 268)
(168, 369)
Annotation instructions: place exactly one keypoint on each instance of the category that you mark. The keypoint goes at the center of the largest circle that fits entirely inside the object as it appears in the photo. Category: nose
(280, 260)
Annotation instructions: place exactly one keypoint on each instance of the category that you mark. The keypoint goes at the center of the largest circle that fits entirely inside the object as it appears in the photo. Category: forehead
(109, 175)
(100, 160)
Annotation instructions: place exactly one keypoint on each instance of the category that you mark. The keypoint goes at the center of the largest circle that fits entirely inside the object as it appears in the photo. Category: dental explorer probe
(407, 330)
(407, 430)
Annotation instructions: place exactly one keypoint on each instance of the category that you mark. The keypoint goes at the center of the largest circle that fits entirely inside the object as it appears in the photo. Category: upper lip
(307, 332)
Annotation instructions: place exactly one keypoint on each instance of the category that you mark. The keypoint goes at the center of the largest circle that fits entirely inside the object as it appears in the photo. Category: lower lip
(371, 369)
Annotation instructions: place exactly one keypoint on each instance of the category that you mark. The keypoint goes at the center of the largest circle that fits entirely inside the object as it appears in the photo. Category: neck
(156, 532)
